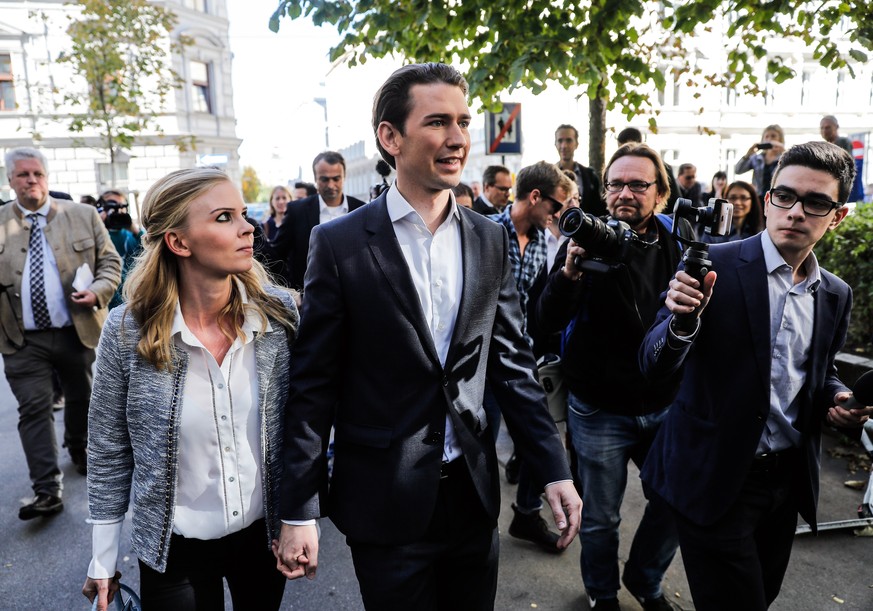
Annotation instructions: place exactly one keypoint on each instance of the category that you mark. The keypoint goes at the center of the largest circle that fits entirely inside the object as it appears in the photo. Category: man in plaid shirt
(541, 190)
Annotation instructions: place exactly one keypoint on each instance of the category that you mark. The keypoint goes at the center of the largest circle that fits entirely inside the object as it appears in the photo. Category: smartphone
(763, 146)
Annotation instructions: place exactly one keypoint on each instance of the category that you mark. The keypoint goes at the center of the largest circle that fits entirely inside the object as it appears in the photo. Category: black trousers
(452, 568)
(195, 569)
(739, 562)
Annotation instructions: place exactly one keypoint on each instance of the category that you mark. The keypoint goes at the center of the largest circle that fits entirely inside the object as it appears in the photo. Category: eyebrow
(811, 193)
(447, 116)
(227, 209)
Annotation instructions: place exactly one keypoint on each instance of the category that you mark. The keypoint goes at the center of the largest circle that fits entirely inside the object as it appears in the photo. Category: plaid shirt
(525, 269)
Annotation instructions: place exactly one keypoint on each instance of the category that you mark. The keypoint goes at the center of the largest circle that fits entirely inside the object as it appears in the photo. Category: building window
(201, 89)
(198, 5)
(806, 88)
(7, 88)
(105, 178)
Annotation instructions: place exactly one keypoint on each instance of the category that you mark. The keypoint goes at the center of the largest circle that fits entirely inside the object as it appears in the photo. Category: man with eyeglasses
(737, 462)
(542, 189)
(614, 412)
(498, 183)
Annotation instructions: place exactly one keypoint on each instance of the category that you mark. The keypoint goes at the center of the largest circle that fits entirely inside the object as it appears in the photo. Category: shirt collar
(399, 208)
(773, 260)
(251, 322)
(42, 210)
(485, 199)
(323, 207)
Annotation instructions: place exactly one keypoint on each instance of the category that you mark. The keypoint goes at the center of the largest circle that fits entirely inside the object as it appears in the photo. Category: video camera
(609, 244)
(384, 170)
(715, 219)
(116, 214)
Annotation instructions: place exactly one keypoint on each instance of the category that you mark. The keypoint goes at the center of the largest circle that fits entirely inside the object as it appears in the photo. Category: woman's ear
(176, 243)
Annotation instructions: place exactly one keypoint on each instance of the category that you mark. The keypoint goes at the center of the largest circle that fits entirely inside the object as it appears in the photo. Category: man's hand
(84, 298)
(103, 589)
(566, 509)
(297, 551)
(570, 269)
(684, 295)
(840, 416)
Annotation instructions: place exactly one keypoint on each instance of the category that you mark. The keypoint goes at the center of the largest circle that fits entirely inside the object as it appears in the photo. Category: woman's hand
(103, 589)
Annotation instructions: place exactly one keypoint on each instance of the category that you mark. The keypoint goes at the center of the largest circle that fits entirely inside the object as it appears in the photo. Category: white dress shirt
(54, 289)
(792, 320)
(219, 479)
(436, 266)
(328, 213)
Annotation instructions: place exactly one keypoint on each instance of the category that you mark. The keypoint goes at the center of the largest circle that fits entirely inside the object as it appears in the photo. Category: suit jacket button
(445, 381)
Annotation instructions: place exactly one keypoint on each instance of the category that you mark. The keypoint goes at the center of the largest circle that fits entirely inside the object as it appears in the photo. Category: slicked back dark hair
(392, 103)
(331, 158)
(489, 176)
(823, 156)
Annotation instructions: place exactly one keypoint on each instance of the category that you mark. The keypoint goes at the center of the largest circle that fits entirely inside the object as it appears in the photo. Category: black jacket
(610, 314)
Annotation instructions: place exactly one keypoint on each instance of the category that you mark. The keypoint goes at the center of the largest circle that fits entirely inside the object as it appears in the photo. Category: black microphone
(862, 394)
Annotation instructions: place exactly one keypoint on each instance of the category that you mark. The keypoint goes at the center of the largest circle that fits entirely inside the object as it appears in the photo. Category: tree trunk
(597, 134)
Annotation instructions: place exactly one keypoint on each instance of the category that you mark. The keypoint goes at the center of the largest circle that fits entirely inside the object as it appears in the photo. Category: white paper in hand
(84, 278)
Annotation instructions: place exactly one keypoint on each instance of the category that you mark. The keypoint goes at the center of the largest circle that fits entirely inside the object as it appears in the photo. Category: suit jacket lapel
(756, 294)
(386, 251)
(471, 254)
(312, 213)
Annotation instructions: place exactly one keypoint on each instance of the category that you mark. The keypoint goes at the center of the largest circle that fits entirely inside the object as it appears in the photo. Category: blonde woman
(279, 200)
(186, 412)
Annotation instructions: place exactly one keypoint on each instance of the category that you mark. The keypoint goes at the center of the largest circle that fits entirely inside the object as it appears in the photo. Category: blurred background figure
(748, 213)
(279, 199)
(303, 189)
(716, 188)
(830, 131)
(762, 158)
(463, 195)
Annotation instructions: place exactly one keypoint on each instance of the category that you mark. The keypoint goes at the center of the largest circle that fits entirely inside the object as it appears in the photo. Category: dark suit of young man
(738, 456)
(291, 243)
(415, 483)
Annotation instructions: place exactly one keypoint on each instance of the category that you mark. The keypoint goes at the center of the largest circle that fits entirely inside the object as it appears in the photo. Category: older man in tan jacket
(58, 271)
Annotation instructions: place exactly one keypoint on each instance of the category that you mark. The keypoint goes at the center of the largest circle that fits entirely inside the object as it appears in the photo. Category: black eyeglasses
(812, 204)
(556, 205)
(636, 186)
(504, 189)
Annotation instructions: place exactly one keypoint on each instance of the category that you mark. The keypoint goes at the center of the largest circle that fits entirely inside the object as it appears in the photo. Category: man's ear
(389, 137)
(176, 243)
(840, 214)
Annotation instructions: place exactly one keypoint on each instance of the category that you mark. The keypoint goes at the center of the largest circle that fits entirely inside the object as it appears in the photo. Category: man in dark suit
(291, 243)
(738, 456)
(590, 191)
(495, 195)
(410, 304)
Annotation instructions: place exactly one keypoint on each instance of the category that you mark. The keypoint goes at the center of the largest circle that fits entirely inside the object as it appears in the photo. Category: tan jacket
(76, 236)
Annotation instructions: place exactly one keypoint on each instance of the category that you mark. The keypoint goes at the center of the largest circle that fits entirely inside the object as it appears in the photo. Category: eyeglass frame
(797, 198)
(628, 185)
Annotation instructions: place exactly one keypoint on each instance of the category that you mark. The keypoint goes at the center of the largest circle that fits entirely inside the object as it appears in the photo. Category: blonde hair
(152, 287)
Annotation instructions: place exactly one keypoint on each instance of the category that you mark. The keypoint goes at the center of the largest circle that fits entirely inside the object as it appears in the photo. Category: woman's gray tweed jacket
(133, 432)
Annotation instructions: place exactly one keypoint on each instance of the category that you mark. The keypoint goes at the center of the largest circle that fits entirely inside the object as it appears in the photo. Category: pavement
(43, 561)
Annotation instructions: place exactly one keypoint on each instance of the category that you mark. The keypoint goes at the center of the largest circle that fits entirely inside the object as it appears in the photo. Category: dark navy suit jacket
(291, 242)
(705, 447)
(364, 360)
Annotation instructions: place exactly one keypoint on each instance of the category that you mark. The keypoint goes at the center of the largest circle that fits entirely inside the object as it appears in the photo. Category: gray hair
(13, 156)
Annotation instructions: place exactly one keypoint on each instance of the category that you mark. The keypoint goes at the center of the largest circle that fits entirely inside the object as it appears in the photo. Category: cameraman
(613, 412)
(118, 223)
